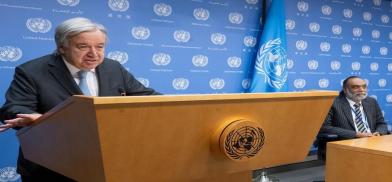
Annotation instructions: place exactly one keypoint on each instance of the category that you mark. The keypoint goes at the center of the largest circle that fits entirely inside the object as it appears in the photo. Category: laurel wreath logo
(273, 66)
(246, 149)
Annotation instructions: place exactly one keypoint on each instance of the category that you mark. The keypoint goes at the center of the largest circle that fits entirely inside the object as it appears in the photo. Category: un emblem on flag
(271, 61)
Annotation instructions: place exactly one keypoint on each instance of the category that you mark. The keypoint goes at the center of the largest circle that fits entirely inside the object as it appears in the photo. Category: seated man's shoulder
(43, 60)
(111, 62)
(370, 100)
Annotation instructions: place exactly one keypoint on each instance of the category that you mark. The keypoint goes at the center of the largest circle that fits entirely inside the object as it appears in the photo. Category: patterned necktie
(358, 118)
(83, 82)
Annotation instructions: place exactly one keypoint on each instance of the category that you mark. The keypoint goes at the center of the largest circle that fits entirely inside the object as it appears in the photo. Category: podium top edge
(205, 97)
(379, 145)
(180, 98)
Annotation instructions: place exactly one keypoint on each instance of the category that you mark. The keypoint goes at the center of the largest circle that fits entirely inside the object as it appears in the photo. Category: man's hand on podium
(366, 134)
(376, 134)
(20, 121)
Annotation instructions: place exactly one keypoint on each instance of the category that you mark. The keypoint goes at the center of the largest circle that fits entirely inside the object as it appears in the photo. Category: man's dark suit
(339, 121)
(41, 84)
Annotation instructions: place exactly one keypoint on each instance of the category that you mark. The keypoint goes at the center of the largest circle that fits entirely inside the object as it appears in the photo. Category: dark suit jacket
(339, 120)
(41, 84)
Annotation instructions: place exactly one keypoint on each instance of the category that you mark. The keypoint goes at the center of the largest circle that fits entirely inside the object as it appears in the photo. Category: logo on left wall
(10, 53)
(68, 2)
(38, 25)
(8, 174)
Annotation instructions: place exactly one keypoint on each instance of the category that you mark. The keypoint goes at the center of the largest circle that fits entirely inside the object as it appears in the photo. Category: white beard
(356, 97)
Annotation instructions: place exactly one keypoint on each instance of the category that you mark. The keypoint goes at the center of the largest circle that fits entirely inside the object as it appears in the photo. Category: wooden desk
(365, 159)
(173, 138)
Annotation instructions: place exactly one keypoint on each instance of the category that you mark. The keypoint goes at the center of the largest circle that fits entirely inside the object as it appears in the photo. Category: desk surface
(381, 145)
(360, 160)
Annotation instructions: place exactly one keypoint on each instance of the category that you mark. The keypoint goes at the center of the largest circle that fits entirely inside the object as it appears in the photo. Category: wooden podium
(362, 159)
(174, 138)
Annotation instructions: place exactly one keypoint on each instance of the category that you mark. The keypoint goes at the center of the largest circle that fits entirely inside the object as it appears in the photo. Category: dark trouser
(45, 178)
(32, 172)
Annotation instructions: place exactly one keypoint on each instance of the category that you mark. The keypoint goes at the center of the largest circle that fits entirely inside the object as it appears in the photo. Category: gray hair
(75, 26)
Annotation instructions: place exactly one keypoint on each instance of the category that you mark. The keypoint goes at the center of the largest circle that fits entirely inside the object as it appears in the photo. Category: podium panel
(360, 160)
(172, 137)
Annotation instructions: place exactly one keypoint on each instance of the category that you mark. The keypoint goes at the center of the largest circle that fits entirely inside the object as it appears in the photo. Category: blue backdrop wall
(208, 46)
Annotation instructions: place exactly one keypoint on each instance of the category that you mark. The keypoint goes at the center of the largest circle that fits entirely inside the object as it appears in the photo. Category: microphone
(122, 91)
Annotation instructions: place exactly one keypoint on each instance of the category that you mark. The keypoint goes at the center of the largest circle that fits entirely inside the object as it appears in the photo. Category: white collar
(72, 69)
(351, 102)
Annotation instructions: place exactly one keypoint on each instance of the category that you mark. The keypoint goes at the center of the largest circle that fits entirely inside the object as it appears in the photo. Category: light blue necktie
(83, 82)
(358, 118)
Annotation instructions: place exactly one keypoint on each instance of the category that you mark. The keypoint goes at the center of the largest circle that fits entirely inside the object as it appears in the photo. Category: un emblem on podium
(241, 140)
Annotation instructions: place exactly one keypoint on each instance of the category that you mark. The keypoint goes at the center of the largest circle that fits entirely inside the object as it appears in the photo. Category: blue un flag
(270, 71)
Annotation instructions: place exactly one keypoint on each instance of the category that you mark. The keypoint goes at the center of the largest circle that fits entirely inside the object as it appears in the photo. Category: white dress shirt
(91, 77)
(364, 118)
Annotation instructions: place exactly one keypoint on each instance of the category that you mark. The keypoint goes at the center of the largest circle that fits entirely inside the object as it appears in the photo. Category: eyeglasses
(356, 87)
